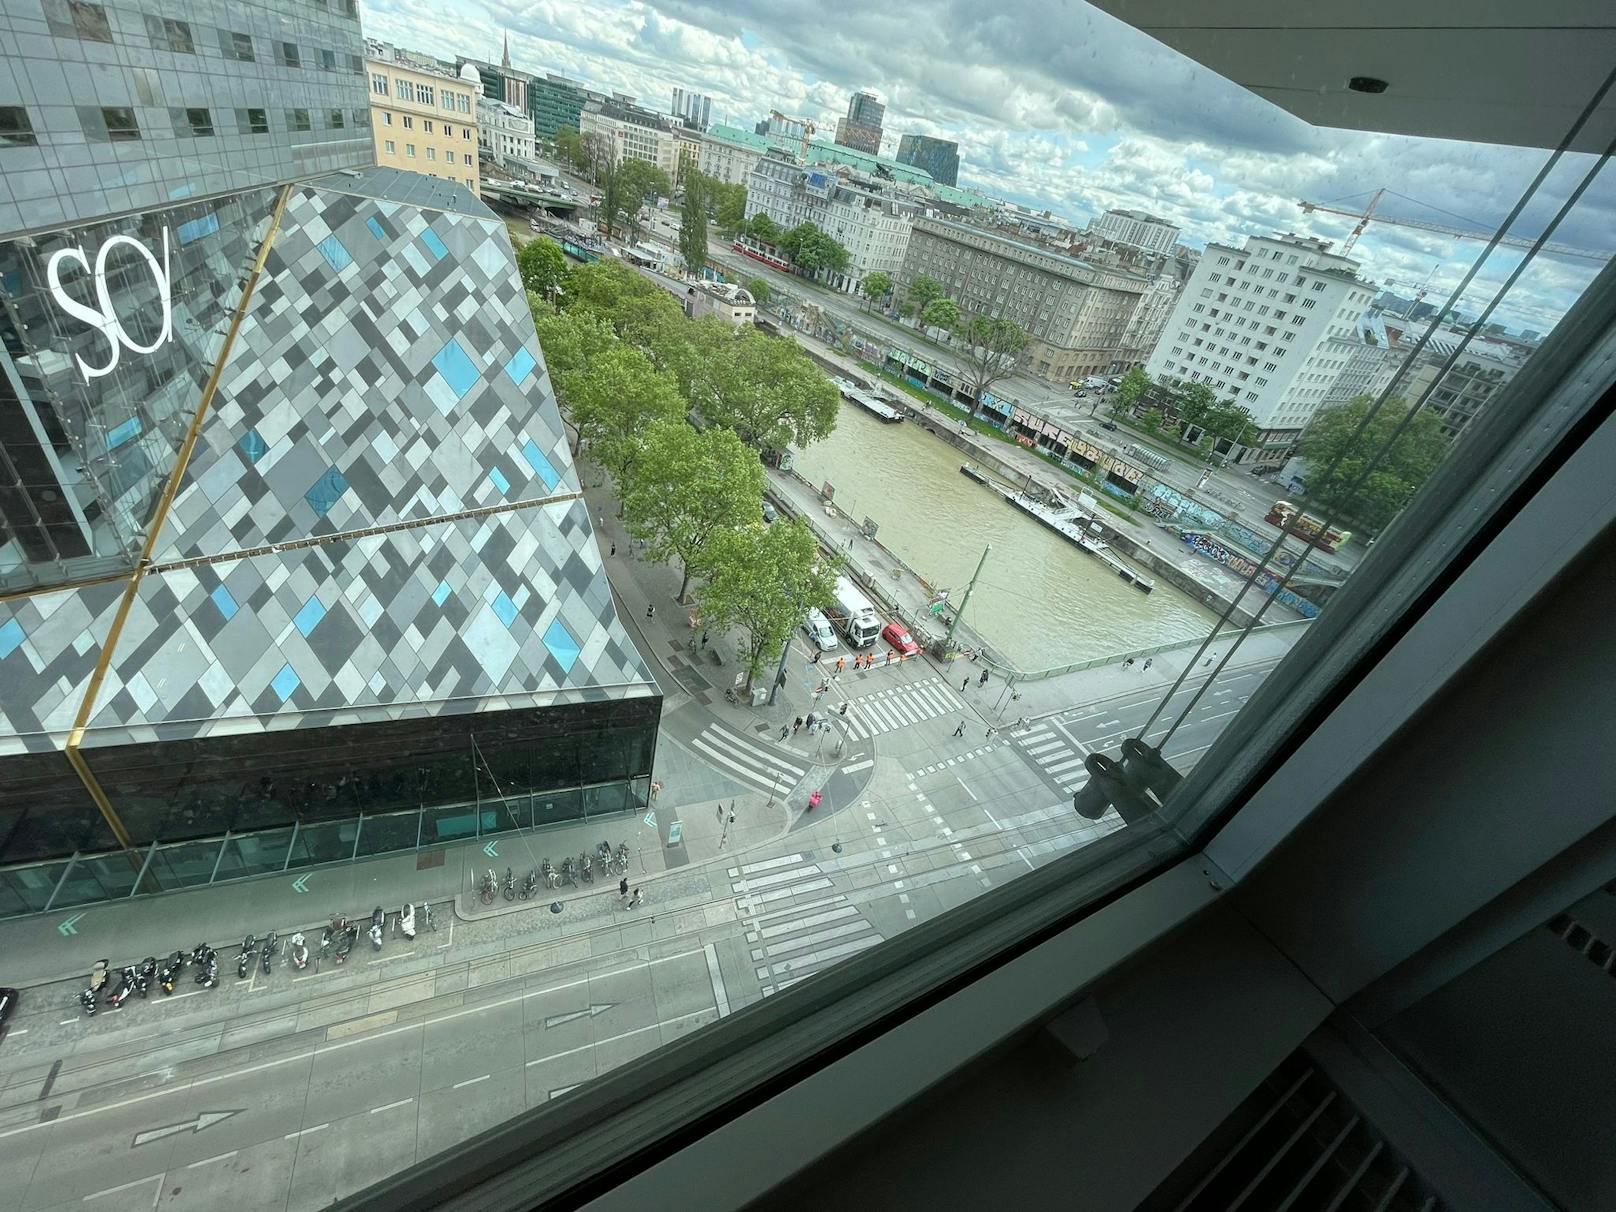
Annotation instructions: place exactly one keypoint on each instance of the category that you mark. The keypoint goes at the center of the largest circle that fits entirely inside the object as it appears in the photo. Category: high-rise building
(423, 120)
(939, 157)
(695, 108)
(1076, 313)
(1135, 229)
(556, 103)
(296, 566)
(1269, 326)
(861, 129)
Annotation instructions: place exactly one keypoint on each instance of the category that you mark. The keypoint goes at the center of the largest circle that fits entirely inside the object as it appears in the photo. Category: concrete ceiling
(1486, 71)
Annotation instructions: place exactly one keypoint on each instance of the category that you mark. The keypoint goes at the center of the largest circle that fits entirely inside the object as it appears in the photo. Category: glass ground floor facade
(223, 808)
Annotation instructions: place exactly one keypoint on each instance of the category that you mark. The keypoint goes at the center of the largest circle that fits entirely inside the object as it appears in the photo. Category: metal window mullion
(60, 881)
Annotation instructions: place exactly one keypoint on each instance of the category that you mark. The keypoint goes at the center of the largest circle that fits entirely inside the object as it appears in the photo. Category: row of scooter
(336, 942)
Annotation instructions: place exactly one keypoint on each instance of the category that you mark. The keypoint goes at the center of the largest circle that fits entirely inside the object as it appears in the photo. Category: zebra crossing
(741, 758)
(1056, 754)
(799, 923)
(899, 707)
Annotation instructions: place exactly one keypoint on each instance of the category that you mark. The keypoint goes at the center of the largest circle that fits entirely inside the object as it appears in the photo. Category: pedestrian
(601, 518)
(817, 654)
(785, 731)
(966, 683)
(1147, 664)
(991, 731)
(704, 639)
(840, 661)
(639, 899)
(983, 680)
(650, 611)
(614, 548)
(655, 789)
(889, 657)
(1128, 664)
(1209, 660)
(622, 889)
(960, 731)
(809, 723)
(796, 724)
(844, 709)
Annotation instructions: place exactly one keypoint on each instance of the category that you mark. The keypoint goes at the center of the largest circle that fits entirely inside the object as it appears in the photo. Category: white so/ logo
(106, 319)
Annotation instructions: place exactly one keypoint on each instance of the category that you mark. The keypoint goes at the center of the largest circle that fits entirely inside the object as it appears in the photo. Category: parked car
(770, 513)
(8, 1004)
(818, 630)
(1111, 425)
(902, 642)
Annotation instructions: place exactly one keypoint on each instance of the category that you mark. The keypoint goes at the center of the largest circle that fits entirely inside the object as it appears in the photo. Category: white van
(818, 630)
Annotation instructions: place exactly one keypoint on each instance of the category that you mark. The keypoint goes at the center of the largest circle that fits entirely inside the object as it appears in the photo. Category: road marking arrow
(650, 819)
(67, 927)
(556, 1020)
(301, 883)
(491, 849)
(205, 1119)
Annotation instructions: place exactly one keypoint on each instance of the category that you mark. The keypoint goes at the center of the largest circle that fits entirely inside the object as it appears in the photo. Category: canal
(1040, 601)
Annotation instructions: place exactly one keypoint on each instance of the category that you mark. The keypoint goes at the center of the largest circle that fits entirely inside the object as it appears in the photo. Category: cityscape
(499, 572)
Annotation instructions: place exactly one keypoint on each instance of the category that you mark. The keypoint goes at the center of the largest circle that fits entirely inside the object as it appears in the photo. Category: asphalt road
(288, 1091)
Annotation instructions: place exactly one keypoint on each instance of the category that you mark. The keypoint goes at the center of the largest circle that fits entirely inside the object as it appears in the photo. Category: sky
(1058, 106)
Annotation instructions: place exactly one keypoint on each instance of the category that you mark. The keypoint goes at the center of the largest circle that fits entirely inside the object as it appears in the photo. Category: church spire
(505, 59)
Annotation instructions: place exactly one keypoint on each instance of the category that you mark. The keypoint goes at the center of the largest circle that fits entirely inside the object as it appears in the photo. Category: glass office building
(939, 157)
(294, 565)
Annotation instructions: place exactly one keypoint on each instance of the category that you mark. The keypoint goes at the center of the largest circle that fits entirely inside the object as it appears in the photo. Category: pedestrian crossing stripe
(743, 759)
(898, 707)
(800, 923)
(1056, 755)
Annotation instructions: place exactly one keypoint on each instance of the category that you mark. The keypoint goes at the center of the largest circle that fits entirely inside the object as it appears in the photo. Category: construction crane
(807, 125)
(1368, 212)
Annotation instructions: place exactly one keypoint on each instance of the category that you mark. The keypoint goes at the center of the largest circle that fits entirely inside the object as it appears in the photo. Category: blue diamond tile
(323, 495)
(458, 371)
(226, 604)
(285, 682)
(499, 480)
(375, 228)
(441, 594)
(11, 637)
(546, 470)
(435, 246)
(504, 608)
(334, 253)
(128, 431)
(307, 619)
(561, 645)
(520, 365)
(197, 229)
(253, 445)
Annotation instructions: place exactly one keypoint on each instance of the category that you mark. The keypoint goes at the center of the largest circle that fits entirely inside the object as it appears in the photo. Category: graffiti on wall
(1205, 545)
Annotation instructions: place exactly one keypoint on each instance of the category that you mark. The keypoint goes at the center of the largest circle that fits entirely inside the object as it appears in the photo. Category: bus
(853, 615)
(1288, 518)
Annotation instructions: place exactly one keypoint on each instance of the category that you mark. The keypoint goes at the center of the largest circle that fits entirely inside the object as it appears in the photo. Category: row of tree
(986, 347)
(632, 373)
(625, 184)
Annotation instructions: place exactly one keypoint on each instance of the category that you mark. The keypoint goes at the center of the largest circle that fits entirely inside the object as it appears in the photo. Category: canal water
(1040, 601)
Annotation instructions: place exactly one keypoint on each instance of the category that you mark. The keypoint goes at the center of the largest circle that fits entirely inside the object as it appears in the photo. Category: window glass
(15, 128)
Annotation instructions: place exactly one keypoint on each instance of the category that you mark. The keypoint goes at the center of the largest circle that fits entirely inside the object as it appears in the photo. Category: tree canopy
(876, 286)
(991, 345)
(624, 183)
(764, 388)
(543, 267)
(729, 207)
(686, 486)
(760, 291)
(1133, 386)
(1399, 468)
(762, 580)
(812, 251)
(1198, 407)
(570, 149)
(763, 229)
(922, 292)
(941, 313)
(693, 224)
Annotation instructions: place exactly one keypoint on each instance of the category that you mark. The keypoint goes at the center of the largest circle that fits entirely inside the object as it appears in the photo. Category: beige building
(423, 120)
(633, 133)
(1077, 314)
(730, 155)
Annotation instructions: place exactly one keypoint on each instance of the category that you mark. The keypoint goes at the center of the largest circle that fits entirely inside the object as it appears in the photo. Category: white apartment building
(505, 133)
(871, 219)
(1136, 228)
(1373, 360)
(633, 133)
(1149, 319)
(728, 157)
(1270, 326)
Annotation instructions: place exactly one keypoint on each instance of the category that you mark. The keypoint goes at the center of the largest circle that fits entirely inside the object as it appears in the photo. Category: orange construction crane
(1368, 212)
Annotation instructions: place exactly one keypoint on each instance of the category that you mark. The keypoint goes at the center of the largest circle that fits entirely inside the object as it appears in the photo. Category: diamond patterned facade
(378, 534)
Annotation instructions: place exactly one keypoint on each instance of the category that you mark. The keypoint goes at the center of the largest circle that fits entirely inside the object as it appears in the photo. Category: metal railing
(1011, 673)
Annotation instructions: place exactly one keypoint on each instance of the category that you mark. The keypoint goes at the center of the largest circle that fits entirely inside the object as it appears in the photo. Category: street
(289, 1090)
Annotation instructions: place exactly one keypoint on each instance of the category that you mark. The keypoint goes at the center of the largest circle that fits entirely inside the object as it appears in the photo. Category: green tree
(1133, 386)
(762, 580)
(764, 388)
(876, 286)
(571, 341)
(922, 292)
(543, 267)
(1399, 468)
(624, 184)
(729, 208)
(758, 288)
(1153, 420)
(693, 224)
(992, 345)
(763, 229)
(570, 150)
(687, 486)
(812, 251)
(941, 313)
(1194, 403)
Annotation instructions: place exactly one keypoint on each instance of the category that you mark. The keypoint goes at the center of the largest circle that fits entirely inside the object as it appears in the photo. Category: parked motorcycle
(583, 866)
(603, 855)
(98, 976)
(621, 861)
(208, 977)
(549, 874)
(271, 946)
(530, 885)
(406, 921)
(333, 935)
(249, 952)
(298, 952)
(566, 870)
(378, 923)
(144, 975)
(89, 1001)
(126, 986)
(345, 941)
(170, 972)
